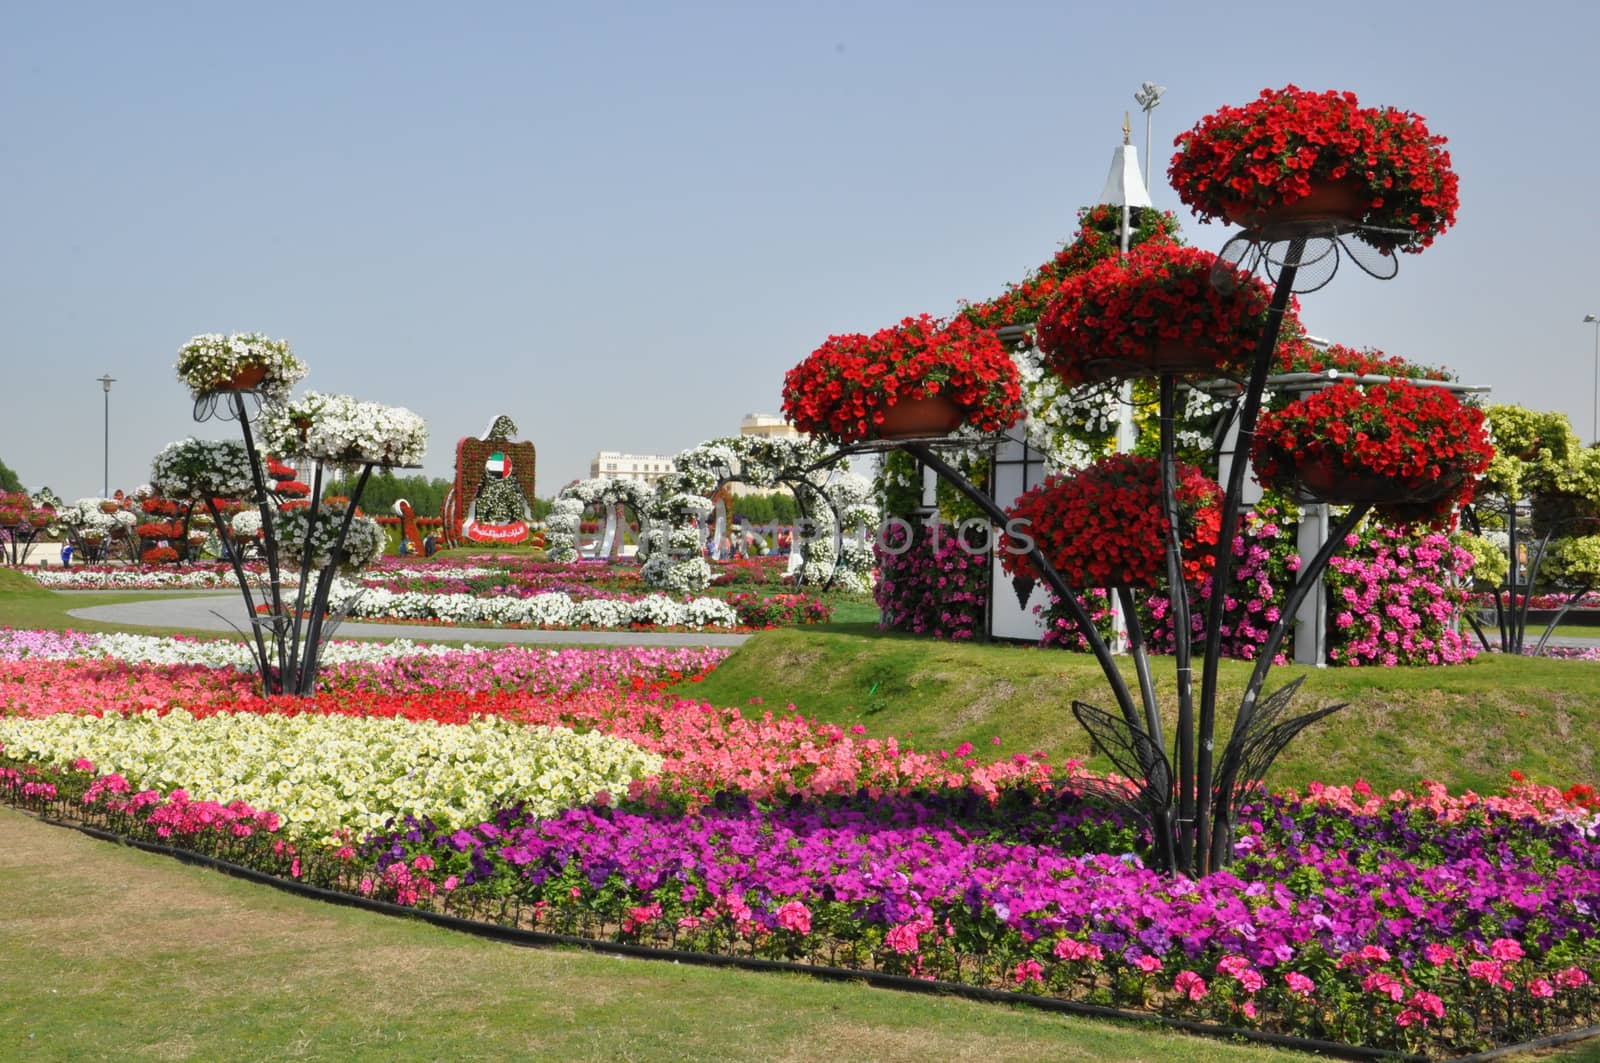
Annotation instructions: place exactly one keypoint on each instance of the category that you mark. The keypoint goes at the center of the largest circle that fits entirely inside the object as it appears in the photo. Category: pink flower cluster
(1396, 596)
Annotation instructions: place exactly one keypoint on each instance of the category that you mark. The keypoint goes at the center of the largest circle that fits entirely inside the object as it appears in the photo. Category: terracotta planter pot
(1165, 356)
(1342, 203)
(248, 378)
(919, 418)
(1334, 483)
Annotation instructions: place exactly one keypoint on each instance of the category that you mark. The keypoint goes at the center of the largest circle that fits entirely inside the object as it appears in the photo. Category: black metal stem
(1521, 624)
(1222, 570)
(1306, 579)
(269, 548)
(1138, 649)
(319, 604)
(1566, 607)
(297, 618)
(244, 586)
(1182, 635)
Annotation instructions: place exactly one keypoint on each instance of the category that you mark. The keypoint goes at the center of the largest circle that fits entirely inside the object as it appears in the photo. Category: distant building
(619, 466)
(652, 467)
(768, 426)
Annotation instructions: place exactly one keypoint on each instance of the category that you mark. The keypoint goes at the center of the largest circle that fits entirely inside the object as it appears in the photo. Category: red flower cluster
(1269, 153)
(842, 389)
(160, 530)
(1102, 526)
(1124, 316)
(163, 507)
(1298, 356)
(158, 555)
(1417, 447)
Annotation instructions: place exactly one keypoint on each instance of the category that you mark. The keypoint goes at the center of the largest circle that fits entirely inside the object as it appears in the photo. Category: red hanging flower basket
(1412, 450)
(1289, 150)
(1154, 311)
(1101, 526)
(848, 388)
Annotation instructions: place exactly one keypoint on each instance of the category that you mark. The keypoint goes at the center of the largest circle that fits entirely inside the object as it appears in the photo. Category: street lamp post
(106, 382)
(1590, 319)
(1149, 98)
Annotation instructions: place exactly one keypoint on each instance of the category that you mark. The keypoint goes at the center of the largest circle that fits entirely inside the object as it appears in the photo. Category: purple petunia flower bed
(1408, 929)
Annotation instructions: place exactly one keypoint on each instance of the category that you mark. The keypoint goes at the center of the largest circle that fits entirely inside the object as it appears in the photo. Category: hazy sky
(621, 223)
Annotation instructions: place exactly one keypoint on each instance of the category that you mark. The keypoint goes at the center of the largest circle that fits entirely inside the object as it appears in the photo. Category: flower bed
(1414, 921)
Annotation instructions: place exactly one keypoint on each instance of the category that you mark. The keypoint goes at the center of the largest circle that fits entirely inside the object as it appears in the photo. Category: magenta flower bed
(1423, 929)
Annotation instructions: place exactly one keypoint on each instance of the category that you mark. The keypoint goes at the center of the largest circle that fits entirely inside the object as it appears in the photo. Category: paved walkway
(198, 611)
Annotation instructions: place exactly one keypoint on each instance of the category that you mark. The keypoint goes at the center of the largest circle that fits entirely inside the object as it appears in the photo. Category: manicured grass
(25, 604)
(1466, 726)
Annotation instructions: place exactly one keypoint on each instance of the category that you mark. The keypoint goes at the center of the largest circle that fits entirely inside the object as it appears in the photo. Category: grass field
(1466, 726)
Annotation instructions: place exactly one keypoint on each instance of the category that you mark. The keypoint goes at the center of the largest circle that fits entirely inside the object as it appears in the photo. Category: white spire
(1124, 184)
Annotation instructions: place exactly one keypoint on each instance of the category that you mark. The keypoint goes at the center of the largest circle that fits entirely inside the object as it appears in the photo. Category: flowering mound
(576, 799)
(1102, 525)
(1410, 448)
(842, 390)
(1299, 356)
(1268, 155)
(1154, 309)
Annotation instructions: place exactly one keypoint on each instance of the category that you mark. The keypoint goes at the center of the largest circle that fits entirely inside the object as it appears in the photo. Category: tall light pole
(1149, 98)
(106, 382)
(1590, 319)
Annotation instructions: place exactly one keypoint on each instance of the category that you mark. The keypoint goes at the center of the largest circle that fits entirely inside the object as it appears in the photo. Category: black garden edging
(878, 979)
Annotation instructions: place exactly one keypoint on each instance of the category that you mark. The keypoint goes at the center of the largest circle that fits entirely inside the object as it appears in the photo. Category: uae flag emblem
(498, 464)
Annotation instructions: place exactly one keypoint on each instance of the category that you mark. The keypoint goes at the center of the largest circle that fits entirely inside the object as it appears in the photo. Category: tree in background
(773, 507)
(9, 480)
(383, 489)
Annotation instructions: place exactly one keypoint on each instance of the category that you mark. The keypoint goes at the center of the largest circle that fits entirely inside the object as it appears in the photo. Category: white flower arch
(566, 513)
(838, 505)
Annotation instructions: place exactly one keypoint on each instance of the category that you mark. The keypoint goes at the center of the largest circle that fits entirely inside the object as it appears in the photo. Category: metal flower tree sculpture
(247, 376)
(1332, 182)
(1542, 495)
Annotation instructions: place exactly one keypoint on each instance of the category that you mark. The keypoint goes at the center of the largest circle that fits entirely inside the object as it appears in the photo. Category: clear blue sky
(622, 223)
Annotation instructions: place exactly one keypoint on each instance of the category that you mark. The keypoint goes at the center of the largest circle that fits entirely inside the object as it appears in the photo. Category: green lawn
(1467, 725)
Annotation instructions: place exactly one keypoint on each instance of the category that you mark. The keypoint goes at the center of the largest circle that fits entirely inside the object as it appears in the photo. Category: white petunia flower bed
(553, 610)
(327, 773)
(159, 650)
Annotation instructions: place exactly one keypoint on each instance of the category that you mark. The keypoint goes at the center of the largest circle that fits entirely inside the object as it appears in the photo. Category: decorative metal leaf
(1249, 756)
(333, 619)
(1132, 751)
(1118, 797)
